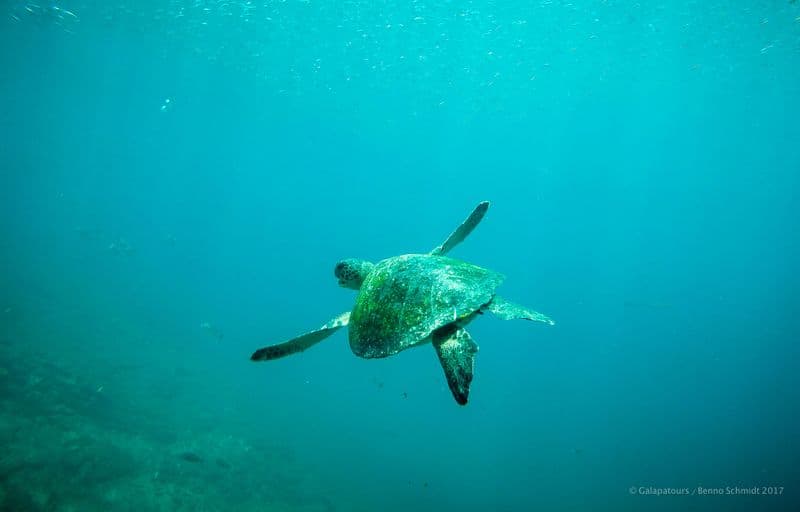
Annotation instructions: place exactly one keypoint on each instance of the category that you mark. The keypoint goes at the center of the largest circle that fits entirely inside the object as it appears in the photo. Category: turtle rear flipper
(462, 231)
(507, 310)
(301, 342)
(456, 352)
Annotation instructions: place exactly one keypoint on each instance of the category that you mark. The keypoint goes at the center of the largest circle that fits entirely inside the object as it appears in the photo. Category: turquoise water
(179, 178)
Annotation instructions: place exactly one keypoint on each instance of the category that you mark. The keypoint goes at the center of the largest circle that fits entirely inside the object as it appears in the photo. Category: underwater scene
(382, 255)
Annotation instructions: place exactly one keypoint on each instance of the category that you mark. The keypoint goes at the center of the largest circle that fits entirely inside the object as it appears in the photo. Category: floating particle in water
(52, 15)
(213, 330)
(122, 247)
(167, 105)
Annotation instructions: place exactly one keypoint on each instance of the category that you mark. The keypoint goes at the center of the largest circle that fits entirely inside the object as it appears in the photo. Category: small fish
(191, 457)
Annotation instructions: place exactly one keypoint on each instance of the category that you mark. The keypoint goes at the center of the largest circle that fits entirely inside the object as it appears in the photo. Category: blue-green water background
(177, 180)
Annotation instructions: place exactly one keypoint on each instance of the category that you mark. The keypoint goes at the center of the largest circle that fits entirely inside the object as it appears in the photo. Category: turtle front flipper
(301, 342)
(456, 352)
(507, 310)
(462, 231)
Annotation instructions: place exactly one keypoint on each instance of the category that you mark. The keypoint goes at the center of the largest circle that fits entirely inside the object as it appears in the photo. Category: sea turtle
(409, 300)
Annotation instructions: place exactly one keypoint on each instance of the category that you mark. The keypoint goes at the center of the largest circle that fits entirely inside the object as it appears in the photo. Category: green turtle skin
(404, 299)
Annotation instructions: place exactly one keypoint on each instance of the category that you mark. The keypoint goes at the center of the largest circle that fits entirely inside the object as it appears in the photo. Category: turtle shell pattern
(405, 298)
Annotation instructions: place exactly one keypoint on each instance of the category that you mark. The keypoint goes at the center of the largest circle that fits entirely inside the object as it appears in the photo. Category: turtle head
(352, 272)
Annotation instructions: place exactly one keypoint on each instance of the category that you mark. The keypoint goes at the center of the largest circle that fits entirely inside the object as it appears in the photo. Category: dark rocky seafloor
(69, 445)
